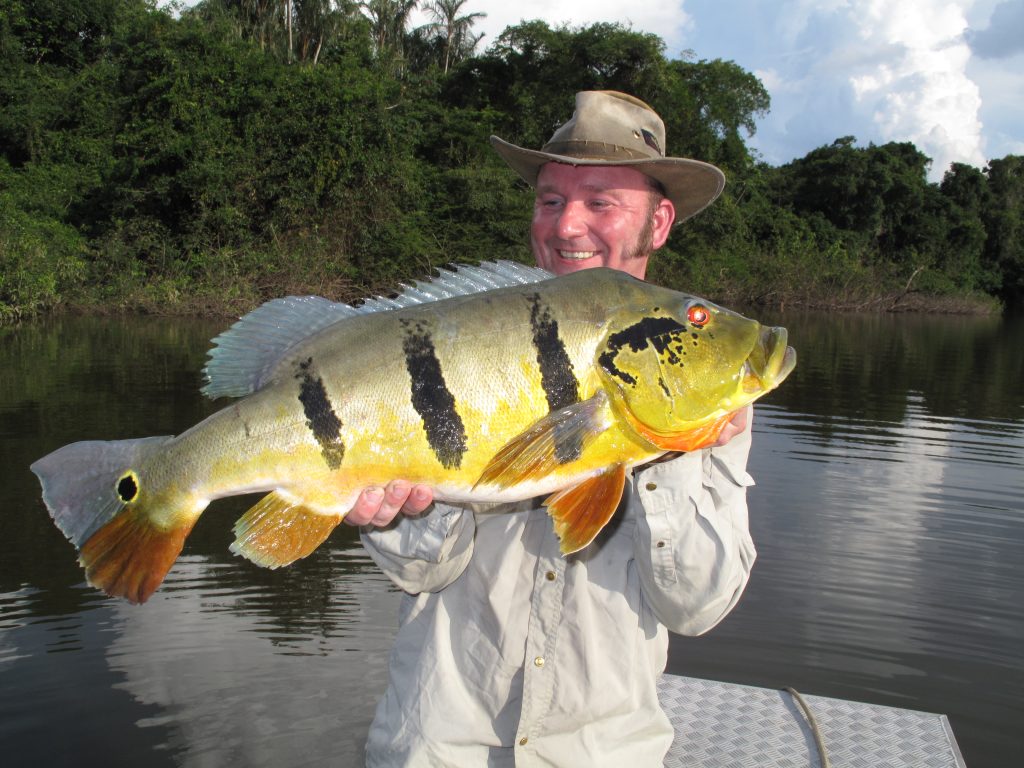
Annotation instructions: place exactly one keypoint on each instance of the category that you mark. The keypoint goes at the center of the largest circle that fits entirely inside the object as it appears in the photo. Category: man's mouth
(577, 255)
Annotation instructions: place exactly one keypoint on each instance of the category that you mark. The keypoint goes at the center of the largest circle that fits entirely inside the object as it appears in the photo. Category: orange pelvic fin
(276, 531)
(130, 556)
(579, 513)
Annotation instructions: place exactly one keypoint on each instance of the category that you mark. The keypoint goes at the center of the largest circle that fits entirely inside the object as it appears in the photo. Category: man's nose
(572, 221)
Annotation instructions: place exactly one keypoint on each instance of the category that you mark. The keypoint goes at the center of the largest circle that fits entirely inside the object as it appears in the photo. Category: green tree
(1004, 225)
(708, 107)
(966, 189)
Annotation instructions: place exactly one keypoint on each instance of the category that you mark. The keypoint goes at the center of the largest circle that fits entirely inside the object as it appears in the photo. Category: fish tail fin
(128, 535)
(277, 531)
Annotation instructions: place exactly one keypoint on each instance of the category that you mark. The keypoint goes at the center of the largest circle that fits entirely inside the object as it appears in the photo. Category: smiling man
(507, 652)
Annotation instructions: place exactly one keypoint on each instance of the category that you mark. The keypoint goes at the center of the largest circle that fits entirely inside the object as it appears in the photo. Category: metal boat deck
(725, 725)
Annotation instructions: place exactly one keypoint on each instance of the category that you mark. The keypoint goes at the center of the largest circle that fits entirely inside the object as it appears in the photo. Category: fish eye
(698, 315)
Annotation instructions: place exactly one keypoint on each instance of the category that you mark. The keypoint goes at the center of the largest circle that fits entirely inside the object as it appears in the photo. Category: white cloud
(920, 92)
(879, 71)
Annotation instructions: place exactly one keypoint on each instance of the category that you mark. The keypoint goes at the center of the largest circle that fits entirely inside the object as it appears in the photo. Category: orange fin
(129, 556)
(579, 513)
(276, 532)
(690, 440)
(549, 443)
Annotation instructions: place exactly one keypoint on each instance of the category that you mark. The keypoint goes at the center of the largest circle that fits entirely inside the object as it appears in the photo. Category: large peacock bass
(491, 383)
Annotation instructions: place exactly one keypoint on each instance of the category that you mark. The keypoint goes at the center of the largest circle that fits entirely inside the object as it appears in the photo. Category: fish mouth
(769, 363)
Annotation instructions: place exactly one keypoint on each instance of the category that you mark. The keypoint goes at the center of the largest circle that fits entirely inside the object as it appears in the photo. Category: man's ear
(664, 215)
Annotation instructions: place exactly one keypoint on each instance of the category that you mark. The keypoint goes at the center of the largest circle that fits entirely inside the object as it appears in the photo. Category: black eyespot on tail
(128, 487)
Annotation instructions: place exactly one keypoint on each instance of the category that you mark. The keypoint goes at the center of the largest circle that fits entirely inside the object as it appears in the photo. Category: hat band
(594, 150)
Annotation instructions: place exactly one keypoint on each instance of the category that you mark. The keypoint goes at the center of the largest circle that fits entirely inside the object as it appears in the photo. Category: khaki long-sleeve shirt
(510, 654)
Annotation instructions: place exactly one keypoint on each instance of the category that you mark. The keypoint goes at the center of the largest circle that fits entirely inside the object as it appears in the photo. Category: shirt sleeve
(693, 547)
(424, 553)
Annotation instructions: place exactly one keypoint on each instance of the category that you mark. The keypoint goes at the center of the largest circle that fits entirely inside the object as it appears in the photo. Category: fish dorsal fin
(244, 357)
(460, 280)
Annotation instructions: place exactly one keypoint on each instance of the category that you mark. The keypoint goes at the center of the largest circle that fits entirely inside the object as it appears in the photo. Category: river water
(888, 514)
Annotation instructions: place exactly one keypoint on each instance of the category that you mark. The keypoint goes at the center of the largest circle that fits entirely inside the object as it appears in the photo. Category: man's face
(597, 216)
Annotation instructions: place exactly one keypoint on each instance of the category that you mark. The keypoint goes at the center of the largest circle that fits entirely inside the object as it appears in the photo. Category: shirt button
(539, 661)
(660, 545)
(522, 741)
(651, 486)
(550, 575)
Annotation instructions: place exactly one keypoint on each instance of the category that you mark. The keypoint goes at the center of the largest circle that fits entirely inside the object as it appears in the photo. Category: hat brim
(691, 185)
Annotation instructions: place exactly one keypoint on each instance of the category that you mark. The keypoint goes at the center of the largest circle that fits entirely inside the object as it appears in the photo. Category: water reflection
(299, 686)
(888, 517)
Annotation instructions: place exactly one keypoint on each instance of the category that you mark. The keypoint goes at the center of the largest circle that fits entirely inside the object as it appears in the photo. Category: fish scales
(555, 386)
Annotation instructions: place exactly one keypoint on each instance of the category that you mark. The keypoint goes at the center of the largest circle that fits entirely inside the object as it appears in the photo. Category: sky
(945, 75)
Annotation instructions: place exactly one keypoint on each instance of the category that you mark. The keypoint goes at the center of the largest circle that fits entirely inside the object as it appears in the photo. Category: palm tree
(459, 41)
(388, 22)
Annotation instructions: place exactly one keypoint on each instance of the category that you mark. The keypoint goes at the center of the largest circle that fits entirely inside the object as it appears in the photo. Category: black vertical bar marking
(557, 377)
(431, 398)
(320, 416)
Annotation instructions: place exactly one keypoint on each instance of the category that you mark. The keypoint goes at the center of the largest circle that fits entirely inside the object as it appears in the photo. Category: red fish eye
(698, 315)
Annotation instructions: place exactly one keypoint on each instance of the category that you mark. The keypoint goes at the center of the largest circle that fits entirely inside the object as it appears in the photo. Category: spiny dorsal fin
(243, 357)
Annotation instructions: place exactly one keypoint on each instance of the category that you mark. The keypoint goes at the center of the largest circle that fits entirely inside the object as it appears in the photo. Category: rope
(815, 731)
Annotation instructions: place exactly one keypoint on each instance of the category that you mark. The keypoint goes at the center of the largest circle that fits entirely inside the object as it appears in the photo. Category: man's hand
(740, 422)
(378, 506)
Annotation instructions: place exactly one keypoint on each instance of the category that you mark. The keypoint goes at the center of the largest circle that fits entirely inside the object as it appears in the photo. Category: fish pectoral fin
(549, 443)
(579, 513)
(277, 531)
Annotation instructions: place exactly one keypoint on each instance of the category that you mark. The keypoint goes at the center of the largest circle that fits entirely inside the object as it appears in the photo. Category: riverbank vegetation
(206, 159)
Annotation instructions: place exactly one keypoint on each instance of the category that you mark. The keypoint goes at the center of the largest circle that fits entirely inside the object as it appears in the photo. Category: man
(509, 653)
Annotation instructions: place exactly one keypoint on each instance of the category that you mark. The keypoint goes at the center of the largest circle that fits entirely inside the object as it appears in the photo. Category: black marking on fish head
(321, 419)
(433, 401)
(662, 334)
(557, 377)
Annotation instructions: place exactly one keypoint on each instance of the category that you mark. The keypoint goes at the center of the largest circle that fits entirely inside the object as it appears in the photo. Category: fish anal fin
(277, 531)
(129, 556)
(579, 513)
(552, 441)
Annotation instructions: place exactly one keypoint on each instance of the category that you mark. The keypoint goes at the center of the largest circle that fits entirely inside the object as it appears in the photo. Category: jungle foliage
(206, 159)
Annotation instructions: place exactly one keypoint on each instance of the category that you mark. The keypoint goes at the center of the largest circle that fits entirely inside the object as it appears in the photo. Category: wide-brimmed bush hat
(613, 128)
